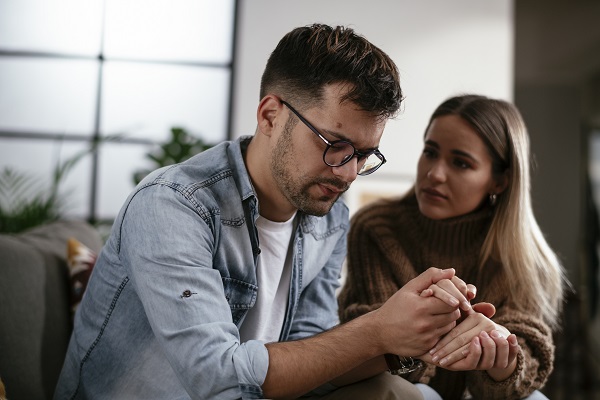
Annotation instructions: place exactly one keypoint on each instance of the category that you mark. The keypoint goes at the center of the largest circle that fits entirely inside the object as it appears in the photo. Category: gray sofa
(35, 317)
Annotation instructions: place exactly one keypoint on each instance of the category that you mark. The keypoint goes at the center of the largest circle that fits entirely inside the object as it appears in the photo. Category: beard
(295, 187)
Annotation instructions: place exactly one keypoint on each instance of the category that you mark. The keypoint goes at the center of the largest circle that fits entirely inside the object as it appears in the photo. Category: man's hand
(411, 323)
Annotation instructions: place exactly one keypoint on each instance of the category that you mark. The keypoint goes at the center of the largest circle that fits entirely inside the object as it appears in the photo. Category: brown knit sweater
(391, 242)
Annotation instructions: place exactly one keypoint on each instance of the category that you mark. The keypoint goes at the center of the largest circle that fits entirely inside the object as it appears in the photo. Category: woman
(469, 209)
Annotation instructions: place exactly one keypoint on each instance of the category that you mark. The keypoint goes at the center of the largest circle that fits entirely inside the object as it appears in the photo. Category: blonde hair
(514, 238)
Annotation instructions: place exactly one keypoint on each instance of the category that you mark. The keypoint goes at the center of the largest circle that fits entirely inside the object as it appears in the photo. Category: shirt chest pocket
(241, 297)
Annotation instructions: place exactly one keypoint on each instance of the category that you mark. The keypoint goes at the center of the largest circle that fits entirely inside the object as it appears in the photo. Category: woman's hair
(514, 238)
(308, 58)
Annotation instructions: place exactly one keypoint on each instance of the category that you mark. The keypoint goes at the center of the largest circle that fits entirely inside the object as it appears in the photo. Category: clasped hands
(439, 325)
(476, 342)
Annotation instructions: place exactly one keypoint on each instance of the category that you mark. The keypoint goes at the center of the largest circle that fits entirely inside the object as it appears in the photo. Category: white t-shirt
(265, 320)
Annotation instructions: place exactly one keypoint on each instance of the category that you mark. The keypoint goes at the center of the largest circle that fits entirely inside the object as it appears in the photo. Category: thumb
(486, 309)
(429, 277)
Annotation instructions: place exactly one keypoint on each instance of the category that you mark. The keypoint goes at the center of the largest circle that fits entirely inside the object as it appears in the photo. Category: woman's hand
(454, 292)
(477, 343)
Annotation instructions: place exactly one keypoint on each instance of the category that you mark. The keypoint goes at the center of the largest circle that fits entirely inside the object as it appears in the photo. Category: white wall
(441, 48)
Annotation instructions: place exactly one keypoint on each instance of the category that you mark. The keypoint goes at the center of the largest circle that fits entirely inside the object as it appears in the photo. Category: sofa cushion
(34, 305)
(81, 260)
(22, 305)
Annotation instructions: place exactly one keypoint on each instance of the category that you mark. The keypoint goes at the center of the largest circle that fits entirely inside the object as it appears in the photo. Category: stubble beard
(294, 187)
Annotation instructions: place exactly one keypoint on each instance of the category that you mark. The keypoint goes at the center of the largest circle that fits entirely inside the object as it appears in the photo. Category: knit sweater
(390, 242)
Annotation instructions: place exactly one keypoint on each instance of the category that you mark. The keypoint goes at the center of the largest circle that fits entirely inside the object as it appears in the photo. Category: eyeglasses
(340, 152)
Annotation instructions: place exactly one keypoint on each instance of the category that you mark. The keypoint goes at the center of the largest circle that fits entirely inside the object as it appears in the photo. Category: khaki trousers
(384, 386)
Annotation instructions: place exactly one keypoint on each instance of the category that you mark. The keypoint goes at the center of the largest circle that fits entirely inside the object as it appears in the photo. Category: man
(218, 280)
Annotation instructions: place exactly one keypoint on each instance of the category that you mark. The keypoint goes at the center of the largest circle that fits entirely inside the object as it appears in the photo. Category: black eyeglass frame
(359, 155)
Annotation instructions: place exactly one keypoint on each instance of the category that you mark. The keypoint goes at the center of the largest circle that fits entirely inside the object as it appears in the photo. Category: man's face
(297, 162)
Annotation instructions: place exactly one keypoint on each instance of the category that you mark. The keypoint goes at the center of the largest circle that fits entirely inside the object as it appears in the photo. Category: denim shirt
(160, 316)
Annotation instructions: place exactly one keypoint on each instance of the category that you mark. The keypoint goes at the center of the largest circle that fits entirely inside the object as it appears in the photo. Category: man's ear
(266, 113)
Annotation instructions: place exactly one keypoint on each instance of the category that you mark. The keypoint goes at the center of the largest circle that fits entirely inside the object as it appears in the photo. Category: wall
(441, 48)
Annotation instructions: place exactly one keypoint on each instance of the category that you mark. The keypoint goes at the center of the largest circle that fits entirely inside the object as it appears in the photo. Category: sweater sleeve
(370, 278)
(535, 361)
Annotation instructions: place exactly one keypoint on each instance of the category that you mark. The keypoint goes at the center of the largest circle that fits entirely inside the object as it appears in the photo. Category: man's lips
(332, 189)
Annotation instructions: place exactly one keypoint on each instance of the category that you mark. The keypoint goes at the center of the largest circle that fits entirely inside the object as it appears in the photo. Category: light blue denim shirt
(172, 285)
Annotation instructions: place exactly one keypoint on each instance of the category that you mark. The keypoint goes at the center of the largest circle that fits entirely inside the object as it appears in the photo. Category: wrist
(401, 365)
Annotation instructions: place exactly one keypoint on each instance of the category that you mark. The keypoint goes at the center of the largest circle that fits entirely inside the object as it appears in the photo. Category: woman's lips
(432, 193)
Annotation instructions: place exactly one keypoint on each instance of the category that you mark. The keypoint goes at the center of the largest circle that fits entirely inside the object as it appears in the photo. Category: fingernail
(466, 305)
(435, 358)
(444, 361)
(496, 334)
(433, 350)
(484, 334)
(465, 352)
(453, 301)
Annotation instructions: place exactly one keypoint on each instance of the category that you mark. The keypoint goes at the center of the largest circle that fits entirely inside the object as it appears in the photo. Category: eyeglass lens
(340, 153)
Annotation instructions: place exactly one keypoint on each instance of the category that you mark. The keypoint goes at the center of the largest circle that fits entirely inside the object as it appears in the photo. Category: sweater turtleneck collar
(443, 243)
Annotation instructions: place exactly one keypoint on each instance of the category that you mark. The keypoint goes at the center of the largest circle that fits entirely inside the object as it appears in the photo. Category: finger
(444, 349)
(471, 292)
(457, 289)
(501, 349)
(440, 322)
(513, 348)
(472, 355)
(486, 309)
(460, 285)
(455, 356)
(427, 293)
(488, 347)
(460, 335)
(440, 293)
(429, 277)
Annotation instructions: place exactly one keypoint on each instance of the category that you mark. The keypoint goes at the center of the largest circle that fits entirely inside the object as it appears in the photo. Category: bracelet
(401, 365)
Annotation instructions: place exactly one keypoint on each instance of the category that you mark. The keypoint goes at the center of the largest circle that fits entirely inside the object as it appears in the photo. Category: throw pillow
(80, 260)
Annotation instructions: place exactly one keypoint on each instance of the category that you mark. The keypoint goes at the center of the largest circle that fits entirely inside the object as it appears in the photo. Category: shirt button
(187, 293)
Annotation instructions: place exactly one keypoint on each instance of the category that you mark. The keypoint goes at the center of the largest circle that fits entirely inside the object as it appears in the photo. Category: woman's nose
(436, 173)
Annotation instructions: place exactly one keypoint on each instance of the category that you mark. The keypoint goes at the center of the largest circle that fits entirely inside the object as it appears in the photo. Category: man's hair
(308, 58)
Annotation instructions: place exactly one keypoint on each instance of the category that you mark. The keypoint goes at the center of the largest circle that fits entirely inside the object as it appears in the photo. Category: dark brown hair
(308, 58)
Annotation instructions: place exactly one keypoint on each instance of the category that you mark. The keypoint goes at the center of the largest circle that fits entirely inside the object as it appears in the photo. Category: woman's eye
(462, 164)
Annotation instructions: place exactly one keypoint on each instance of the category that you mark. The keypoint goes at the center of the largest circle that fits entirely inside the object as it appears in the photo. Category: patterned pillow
(80, 260)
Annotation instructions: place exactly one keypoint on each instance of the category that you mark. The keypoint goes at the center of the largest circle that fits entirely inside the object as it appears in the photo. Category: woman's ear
(266, 113)
(501, 183)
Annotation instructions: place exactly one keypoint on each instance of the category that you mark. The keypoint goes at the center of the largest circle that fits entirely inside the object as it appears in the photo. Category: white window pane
(147, 100)
(46, 95)
(66, 26)
(190, 30)
(117, 165)
(74, 189)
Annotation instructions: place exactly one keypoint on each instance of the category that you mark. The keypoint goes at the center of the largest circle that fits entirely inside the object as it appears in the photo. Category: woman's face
(454, 173)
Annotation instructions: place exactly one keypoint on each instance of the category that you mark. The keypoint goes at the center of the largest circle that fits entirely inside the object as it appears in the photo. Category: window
(73, 71)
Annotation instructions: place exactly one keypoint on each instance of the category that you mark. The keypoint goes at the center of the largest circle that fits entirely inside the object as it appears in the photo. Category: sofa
(35, 305)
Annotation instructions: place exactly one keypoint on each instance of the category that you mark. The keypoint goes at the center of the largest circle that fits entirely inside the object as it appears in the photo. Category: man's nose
(347, 172)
